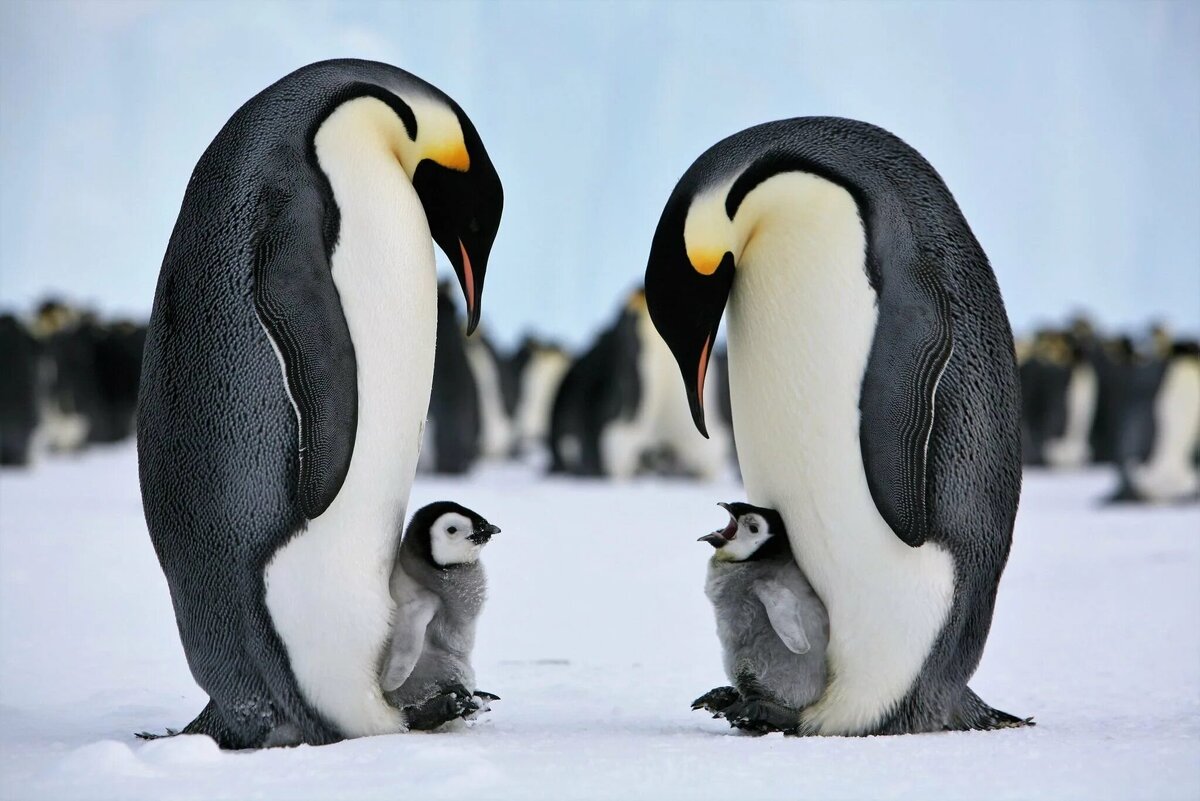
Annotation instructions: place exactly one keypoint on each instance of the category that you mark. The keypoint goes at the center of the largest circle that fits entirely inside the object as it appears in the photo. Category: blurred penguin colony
(617, 409)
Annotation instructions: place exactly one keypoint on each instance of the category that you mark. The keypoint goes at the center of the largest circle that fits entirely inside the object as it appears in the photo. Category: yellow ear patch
(706, 260)
(708, 233)
(452, 155)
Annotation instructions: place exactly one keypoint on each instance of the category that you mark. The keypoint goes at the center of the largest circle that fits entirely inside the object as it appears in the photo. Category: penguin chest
(327, 589)
(801, 321)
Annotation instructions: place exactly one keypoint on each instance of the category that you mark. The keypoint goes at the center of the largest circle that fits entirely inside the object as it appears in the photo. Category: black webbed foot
(149, 735)
(760, 716)
(717, 700)
(453, 702)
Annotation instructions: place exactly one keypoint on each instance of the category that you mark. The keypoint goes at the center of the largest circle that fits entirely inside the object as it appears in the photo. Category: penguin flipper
(298, 306)
(783, 610)
(912, 346)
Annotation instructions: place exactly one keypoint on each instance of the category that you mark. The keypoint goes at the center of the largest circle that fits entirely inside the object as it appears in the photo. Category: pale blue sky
(1069, 132)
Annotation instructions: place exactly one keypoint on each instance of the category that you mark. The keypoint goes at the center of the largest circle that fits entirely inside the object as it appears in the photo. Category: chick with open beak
(773, 628)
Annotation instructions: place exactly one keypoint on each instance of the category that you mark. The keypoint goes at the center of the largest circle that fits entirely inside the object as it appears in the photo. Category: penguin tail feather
(973, 714)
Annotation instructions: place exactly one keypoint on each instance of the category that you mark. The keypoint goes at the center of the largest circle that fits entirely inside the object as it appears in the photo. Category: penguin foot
(453, 702)
(717, 700)
(760, 716)
(149, 735)
(483, 702)
(973, 714)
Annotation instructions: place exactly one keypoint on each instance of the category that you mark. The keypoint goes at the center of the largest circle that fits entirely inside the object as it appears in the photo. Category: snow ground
(598, 636)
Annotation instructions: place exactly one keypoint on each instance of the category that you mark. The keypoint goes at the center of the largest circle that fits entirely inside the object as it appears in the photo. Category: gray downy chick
(439, 588)
(773, 628)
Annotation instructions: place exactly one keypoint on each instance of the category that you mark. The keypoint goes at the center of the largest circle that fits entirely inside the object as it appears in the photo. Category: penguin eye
(452, 530)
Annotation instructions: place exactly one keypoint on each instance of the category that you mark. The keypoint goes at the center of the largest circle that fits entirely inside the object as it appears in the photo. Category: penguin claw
(757, 716)
(149, 735)
(717, 700)
(453, 702)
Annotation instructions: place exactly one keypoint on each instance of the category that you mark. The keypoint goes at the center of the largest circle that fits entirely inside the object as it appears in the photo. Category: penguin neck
(802, 318)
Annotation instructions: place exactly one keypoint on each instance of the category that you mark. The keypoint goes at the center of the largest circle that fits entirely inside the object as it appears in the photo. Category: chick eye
(753, 529)
(452, 530)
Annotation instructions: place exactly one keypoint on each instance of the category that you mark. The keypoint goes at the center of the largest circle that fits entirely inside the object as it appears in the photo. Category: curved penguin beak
(472, 286)
(686, 308)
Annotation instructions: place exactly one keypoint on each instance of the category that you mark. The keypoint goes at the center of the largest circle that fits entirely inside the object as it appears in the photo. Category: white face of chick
(752, 532)
(450, 540)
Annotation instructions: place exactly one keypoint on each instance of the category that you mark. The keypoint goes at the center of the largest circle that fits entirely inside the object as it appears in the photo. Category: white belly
(801, 320)
(327, 590)
(1170, 474)
(1072, 450)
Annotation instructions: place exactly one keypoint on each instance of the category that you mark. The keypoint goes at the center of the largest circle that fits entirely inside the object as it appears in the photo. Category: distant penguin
(439, 588)
(538, 370)
(875, 398)
(453, 429)
(117, 349)
(602, 385)
(1059, 391)
(1169, 474)
(496, 434)
(19, 359)
(286, 379)
(772, 626)
(658, 434)
(624, 395)
(69, 400)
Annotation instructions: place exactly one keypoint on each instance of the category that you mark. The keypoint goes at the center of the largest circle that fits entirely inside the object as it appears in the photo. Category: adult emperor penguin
(874, 394)
(286, 379)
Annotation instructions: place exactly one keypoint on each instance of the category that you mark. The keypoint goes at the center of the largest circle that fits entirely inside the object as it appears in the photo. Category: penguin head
(688, 280)
(448, 534)
(753, 532)
(460, 191)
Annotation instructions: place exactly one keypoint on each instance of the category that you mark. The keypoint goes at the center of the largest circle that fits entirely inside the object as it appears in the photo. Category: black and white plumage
(874, 393)
(20, 357)
(439, 588)
(286, 379)
(773, 628)
(1170, 415)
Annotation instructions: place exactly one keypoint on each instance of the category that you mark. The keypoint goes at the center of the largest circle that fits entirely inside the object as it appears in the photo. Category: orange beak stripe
(703, 369)
(469, 278)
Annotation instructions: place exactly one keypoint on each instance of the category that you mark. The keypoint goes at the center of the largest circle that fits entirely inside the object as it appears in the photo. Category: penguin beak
(483, 533)
(472, 287)
(718, 539)
(686, 308)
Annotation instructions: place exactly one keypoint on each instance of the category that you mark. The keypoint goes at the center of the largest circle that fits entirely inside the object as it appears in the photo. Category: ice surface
(597, 636)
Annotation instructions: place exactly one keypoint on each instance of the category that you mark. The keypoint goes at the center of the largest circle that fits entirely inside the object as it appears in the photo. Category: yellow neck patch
(708, 233)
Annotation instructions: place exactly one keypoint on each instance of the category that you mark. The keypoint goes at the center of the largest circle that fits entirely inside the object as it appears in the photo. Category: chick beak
(719, 539)
(484, 533)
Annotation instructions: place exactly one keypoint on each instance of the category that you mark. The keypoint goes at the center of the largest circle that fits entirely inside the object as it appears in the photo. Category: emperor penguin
(1169, 474)
(772, 626)
(874, 393)
(439, 587)
(1059, 390)
(285, 383)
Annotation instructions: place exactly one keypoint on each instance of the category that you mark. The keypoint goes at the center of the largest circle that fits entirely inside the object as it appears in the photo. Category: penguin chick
(773, 628)
(438, 586)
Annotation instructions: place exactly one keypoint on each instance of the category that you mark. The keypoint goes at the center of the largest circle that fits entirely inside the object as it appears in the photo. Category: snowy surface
(598, 636)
